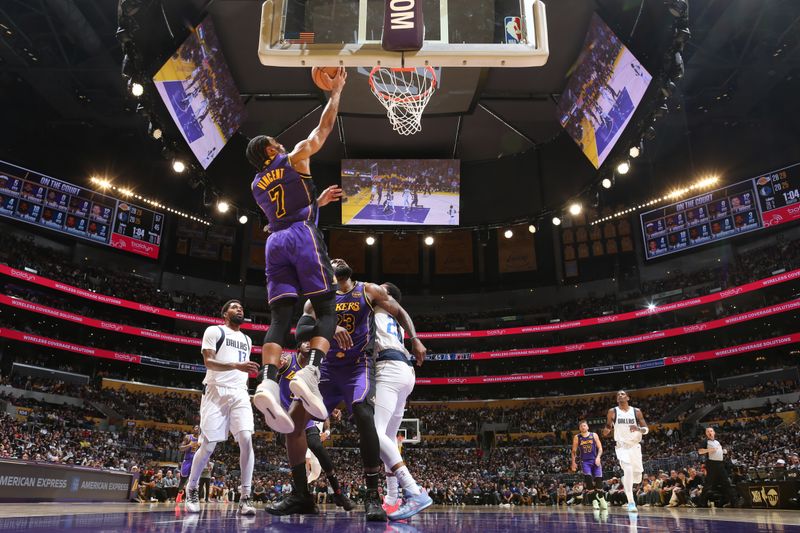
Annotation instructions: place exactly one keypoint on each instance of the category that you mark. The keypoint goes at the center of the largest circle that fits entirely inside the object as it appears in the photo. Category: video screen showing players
(401, 192)
(198, 90)
(606, 87)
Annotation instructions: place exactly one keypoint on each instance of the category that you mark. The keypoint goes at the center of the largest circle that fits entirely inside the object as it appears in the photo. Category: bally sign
(403, 28)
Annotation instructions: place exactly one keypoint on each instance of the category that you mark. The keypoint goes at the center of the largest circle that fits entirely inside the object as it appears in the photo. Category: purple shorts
(591, 469)
(349, 382)
(297, 263)
(186, 468)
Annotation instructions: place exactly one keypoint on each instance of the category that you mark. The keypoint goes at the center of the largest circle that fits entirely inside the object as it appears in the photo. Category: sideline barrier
(543, 328)
(755, 314)
(44, 482)
(774, 342)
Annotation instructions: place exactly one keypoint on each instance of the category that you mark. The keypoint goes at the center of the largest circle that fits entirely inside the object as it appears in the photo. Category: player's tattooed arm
(609, 423)
(379, 297)
(640, 420)
(574, 466)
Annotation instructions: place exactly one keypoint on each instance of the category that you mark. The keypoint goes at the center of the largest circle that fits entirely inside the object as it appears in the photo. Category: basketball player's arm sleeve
(642, 424)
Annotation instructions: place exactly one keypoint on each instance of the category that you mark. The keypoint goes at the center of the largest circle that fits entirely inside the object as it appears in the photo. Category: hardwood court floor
(140, 518)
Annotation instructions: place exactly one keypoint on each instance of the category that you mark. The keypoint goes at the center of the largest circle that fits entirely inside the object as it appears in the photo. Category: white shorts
(394, 382)
(630, 456)
(225, 410)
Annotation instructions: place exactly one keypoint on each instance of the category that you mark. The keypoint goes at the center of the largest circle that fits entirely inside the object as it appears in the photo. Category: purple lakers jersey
(354, 314)
(286, 375)
(188, 455)
(587, 447)
(285, 195)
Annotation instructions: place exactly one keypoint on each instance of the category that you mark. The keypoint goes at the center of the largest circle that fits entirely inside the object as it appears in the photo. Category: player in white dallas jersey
(629, 426)
(225, 406)
(394, 381)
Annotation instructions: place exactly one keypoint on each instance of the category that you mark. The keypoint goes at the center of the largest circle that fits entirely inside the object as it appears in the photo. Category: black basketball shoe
(343, 501)
(373, 507)
(294, 504)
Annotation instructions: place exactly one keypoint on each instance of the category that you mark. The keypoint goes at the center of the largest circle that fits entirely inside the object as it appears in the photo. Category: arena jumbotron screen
(401, 191)
(603, 92)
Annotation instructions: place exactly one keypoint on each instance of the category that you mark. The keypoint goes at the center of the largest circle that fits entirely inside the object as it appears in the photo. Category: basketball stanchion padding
(404, 92)
(323, 76)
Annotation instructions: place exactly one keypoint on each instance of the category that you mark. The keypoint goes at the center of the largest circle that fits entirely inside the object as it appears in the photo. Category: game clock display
(746, 206)
(61, 206)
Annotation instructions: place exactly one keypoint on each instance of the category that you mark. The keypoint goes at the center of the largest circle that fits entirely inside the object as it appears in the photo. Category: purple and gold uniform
(296, 257)
(285, 376)
(349, 374)
(188, 456)
(588, 449)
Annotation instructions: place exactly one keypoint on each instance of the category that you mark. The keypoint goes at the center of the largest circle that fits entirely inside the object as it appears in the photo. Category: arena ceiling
(67, 111)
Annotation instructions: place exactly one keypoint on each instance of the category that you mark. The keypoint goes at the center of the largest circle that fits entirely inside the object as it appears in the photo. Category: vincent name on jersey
(269, 177)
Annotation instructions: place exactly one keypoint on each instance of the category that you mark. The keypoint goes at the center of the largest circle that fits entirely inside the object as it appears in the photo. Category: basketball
(323, 76)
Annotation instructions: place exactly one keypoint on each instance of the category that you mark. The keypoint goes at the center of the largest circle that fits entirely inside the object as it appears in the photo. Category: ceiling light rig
(106, 186)
(674, 194)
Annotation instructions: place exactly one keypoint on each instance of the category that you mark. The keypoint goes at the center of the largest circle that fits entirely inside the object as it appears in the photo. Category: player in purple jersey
(591, 451)
(290, 365)
(296, 258)
(189, 446)
(347, 375)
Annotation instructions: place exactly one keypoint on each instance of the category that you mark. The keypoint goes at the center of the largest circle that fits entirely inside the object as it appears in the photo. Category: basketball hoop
(404, 92)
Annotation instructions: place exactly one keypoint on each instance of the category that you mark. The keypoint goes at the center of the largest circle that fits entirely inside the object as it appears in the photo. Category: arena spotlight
(178, 166)
(556, 221)
(651, 306)
(429, 240)
(623, 168)
(370, 240)
(223, 206)
(508, 234)
(606, 183)
(137, 89)
(634, 151)
(575, 209)
(243, 219)
(532, 228)
(155, 131)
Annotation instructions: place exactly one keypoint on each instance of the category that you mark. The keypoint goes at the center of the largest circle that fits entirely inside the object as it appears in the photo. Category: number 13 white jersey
(233, 348)
(388, 333)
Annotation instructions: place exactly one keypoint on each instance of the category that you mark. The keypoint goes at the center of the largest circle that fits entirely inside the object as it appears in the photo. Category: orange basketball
(322, 76)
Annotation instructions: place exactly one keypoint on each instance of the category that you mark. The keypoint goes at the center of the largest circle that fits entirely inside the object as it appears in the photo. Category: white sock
(201, 457)
(392, 492)
(627, 483)
(406, 480)
(247, 460)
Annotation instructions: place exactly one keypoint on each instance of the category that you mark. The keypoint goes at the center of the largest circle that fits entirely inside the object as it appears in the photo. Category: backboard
(409, 429)
(457, 33)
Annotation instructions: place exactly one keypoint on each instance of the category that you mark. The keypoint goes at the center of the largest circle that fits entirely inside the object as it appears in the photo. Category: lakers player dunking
(297, 261)
(591, 453)
(225, 406)
(290, 366)
(629, 426)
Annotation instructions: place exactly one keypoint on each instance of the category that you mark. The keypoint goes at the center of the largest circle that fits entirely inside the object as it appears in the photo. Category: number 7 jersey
(285, 195)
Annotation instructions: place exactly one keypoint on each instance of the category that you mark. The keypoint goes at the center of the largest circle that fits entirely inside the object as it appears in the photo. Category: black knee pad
(316, 447)
(325, 310)
(281, 321)
(364, 415)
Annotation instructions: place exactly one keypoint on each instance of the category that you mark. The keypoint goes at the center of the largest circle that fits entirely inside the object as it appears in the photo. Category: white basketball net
(404, 92)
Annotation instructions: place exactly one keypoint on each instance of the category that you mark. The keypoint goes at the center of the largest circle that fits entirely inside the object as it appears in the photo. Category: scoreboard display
(743, 207)
(61, 206)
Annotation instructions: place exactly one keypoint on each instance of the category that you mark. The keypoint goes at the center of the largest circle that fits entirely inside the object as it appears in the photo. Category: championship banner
(731, 292)
(454, 253)
(351, 247)
(400, 255)
(37, 482)
(517, 254)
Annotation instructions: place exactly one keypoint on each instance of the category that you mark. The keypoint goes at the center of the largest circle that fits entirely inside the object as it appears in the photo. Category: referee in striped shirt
(717, 477)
